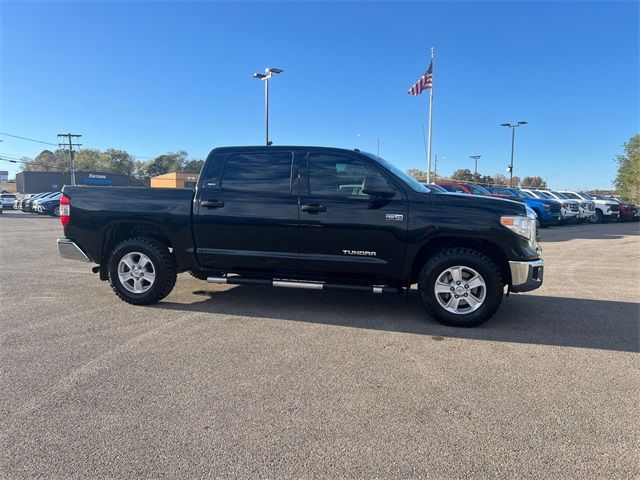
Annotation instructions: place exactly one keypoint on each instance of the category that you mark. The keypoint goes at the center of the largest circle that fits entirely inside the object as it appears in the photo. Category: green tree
(628, 178)
(462, 175)
(417, 174)
(169, 162)
(89, 159)
(193, 166)
(532, 182)
(48, 161)
(118, 161)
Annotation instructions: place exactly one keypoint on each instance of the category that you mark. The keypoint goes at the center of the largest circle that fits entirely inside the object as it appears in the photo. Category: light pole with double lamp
(513, 127)
(270, 72)
(476, 158)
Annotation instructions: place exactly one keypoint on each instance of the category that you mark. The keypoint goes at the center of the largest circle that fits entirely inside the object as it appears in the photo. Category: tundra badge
(363, 253)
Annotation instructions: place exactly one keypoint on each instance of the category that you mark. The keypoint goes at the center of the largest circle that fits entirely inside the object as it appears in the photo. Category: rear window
(258, 172)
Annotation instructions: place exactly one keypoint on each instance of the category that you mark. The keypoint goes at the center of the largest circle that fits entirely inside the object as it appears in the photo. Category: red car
(628, 210)
(468, 188)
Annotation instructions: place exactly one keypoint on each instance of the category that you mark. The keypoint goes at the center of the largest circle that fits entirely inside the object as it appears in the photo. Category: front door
(247, 215)
(344, 232)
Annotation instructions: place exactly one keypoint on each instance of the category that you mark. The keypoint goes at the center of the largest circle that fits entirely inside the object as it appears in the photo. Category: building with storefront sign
(35, 182)
(175, 180)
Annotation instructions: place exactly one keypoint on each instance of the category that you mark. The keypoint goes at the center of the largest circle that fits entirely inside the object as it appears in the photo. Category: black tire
(482, 264)
(203, 274)
(163, 264)
(599, 217)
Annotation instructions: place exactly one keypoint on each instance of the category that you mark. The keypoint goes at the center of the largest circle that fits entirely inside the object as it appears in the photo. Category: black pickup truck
(307, 217)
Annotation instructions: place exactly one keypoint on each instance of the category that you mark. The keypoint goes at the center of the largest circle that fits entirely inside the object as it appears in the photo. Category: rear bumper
(526, 276)
(69, 250)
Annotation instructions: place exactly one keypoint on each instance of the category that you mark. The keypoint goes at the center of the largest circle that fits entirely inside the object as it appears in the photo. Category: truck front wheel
(141, 271)
(461, 287)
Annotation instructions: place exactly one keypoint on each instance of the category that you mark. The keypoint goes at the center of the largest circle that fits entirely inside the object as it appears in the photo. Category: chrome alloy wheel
(136, 272)
(460, 290)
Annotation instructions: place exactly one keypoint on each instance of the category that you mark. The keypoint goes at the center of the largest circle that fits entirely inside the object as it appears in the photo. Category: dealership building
(35, 182)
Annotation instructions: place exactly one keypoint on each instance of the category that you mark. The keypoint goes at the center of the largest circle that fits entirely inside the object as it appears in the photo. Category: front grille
(554, 208)
(574, 207)
(614, 208)
(584, 205)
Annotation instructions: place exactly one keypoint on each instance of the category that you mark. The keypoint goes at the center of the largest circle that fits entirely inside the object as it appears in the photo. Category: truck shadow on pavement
(541, 320)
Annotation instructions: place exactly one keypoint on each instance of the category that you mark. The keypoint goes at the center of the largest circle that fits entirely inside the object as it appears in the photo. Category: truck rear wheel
(460, 287)
(141, 271)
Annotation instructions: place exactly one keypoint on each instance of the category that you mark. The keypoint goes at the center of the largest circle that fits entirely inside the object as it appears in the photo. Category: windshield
(572, 195)
(515, 193)
(586, 196)
(409, 180)
(558, 194)
(476, 190)
(544, 195)
(528, 194)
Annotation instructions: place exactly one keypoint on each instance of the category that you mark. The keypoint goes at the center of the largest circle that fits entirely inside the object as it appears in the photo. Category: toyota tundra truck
(284, 217)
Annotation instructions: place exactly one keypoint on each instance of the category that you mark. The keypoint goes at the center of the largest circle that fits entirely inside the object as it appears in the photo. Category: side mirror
(376, 186)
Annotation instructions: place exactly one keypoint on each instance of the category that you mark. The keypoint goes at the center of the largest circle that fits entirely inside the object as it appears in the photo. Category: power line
(28, 139)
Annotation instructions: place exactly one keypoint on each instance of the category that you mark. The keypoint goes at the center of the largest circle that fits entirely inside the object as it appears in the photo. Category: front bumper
(69, 250)
(526, 276)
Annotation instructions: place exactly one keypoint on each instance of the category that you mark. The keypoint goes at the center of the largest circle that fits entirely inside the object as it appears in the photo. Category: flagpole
(430, 118)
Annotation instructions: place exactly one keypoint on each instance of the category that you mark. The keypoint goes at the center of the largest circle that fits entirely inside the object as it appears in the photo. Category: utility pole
(69, 144)
(476, 158)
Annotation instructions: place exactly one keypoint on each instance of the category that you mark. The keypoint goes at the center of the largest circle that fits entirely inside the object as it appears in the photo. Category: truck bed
(94, 211)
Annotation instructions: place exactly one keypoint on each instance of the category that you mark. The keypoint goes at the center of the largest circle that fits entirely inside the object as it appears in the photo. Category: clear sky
(156, 77)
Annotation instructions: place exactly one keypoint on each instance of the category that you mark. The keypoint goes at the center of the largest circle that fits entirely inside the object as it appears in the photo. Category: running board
(268, 282)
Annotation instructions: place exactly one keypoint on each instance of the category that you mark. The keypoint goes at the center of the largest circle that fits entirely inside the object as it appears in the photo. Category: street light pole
(476, 158)
(513, 127)
(270, 72)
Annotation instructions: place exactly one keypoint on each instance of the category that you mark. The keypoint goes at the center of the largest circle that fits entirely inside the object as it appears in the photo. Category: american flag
(425, 82)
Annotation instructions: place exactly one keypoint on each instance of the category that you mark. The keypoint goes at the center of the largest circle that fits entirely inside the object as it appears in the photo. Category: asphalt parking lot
(253, 382)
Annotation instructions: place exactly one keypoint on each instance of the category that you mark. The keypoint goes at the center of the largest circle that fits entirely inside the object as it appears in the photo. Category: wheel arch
(116, 232)
(436, 245)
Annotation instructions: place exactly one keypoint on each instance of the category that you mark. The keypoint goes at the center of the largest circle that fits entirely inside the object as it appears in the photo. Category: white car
(587, 205)
(569, 209)
(8, 200)
(584, 213)
(606, 210)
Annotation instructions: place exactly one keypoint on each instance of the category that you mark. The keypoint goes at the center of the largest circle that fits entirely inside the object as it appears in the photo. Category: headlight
(546, 206)
(523, 226)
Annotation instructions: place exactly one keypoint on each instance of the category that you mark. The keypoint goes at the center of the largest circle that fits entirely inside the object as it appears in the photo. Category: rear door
(246, 213)
(343, 232)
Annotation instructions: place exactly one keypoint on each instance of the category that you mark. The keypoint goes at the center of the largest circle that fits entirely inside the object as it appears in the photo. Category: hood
(501, 206)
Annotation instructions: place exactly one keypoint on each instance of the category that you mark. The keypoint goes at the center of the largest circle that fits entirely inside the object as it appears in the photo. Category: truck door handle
(212, 203)
(313, 208)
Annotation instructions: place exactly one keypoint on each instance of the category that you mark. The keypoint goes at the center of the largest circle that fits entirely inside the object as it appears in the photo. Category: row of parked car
(552, 207)
(555, 207)
(45, 203)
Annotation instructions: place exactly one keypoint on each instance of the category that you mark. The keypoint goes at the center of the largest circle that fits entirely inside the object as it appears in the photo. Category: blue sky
(156, 77)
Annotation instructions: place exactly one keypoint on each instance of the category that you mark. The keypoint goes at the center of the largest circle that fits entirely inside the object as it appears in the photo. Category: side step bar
(299, 284)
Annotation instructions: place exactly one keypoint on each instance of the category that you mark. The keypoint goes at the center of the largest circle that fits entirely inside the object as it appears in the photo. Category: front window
(339, 176)
(408, 179)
